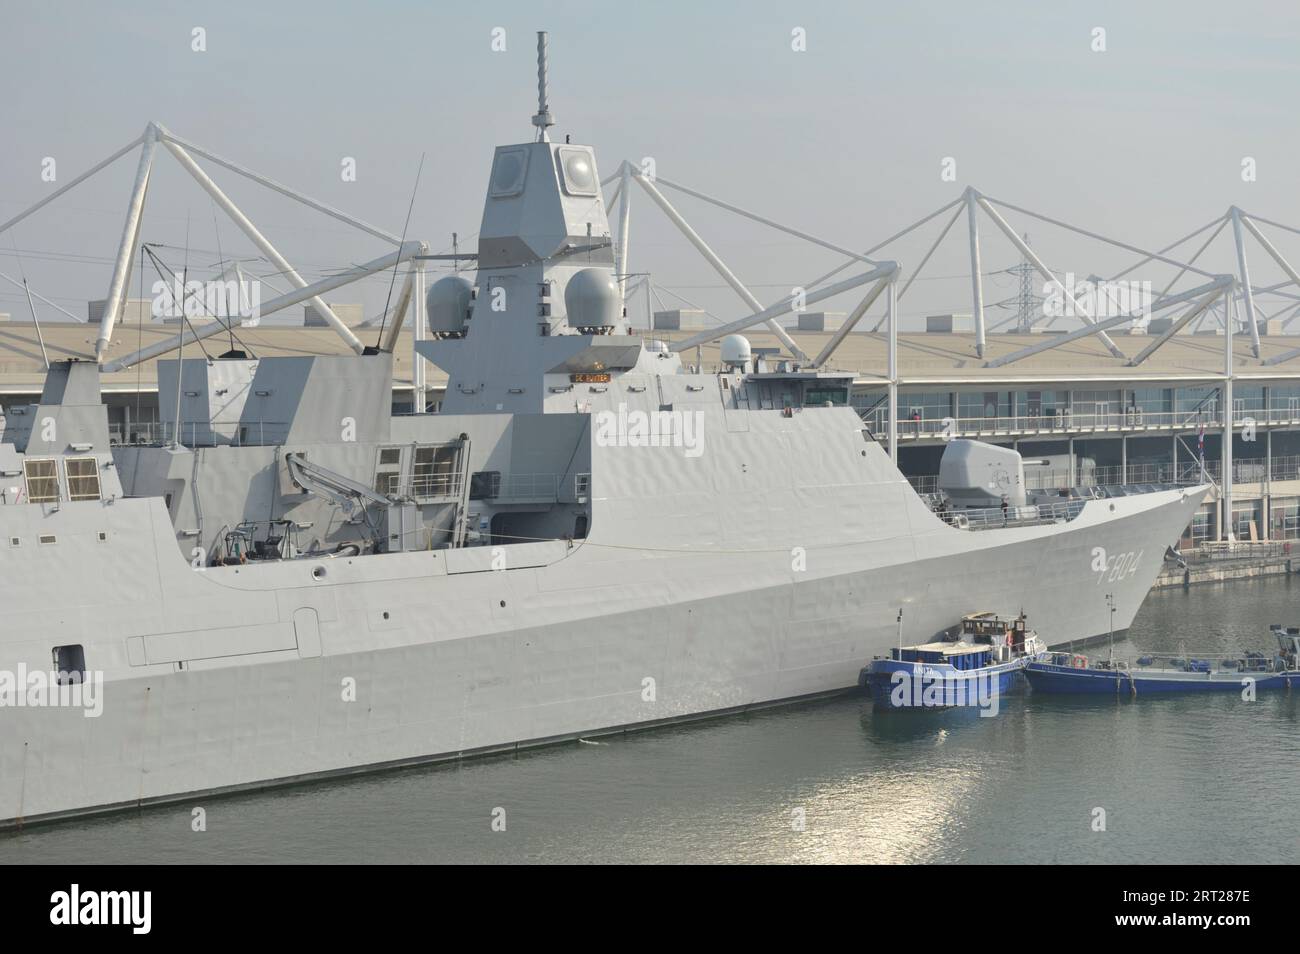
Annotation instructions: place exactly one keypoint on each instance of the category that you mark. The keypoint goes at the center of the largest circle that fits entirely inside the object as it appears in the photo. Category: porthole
(318, 573)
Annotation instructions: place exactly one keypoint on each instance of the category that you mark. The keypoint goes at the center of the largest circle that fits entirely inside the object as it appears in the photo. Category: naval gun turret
(976, 475)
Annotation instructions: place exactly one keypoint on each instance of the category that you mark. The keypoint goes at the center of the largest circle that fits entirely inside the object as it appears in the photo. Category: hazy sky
(846, 139)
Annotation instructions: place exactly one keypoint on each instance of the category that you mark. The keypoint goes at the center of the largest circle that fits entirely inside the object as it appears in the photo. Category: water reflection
(1190, 779)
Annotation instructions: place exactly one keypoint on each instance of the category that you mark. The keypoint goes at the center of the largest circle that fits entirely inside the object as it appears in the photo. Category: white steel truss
(156, 134)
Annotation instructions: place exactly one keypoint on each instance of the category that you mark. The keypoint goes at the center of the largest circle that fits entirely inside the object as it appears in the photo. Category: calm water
(1193, 780)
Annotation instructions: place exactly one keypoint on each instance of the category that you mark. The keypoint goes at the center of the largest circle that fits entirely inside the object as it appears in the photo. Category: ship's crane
(398, 518)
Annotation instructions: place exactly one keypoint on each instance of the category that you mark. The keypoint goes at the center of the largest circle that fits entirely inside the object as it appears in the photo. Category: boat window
(434, 467)
(83, 478)
(42, 480)
(815, 397)
(70, 664)
(484, 484)
(388, 472)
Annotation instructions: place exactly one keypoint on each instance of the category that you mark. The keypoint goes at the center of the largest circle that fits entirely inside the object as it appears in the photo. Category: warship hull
(402, 658)
(589, 536)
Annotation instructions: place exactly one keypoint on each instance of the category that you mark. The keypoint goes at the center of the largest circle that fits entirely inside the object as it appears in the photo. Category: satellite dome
(736, 350)
(448, 303)
(592, 299)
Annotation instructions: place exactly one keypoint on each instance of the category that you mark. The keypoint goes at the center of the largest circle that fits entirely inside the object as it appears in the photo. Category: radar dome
(592, 299)
(736, 350)
(448, 303)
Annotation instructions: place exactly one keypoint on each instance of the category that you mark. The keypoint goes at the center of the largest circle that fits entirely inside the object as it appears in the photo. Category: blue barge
(1063, 672)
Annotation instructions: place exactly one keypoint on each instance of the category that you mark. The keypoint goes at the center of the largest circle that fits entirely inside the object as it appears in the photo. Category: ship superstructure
(589, 536)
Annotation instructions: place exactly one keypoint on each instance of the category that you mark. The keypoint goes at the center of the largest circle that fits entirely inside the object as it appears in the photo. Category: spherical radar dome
(447, 303)
(592, 299)
(736, 350)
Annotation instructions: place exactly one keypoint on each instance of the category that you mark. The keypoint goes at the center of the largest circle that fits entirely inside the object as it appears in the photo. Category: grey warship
(588, 536)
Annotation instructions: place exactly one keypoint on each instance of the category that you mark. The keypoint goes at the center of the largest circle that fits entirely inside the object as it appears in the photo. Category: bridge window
(817, 396)
(42, 480)
(434, 466)
(388, 473)
(83, 478)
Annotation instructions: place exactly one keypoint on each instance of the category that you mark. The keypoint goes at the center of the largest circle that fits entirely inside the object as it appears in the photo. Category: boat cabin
(990, 629)
(1288, 644)
(961, 656)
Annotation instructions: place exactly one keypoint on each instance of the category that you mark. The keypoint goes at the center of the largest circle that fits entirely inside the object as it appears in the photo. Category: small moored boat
(973, 668)
(1064, 672)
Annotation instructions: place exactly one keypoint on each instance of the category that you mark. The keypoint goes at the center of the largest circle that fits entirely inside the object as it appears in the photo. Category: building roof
(22, 371)
(950, 358)
(938, 359)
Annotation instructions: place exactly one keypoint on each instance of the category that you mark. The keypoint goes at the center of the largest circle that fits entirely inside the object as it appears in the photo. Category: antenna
(35, 320)
(542, 120)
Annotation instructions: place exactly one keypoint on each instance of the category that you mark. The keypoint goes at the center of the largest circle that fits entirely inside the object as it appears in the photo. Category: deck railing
(1070, 420)
(995, 518)
(198, 433)
(1250, 470)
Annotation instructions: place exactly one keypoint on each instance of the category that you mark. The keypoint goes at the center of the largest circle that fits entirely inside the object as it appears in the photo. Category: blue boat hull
(940, 689)
(1045, 677)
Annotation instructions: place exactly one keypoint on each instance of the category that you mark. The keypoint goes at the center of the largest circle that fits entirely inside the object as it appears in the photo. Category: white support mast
(719, 266)
(854, 317)
(258, 239)
(126, 248)
(1221, 289)
(167, 136)
(1225, 457)
(976, 279)
(891, 306)
(624, 226)
(1043, 270)
(295, 297)
(1055, 341)
(418, 324)
(77, 181)
(1247, 294)
(783, 307)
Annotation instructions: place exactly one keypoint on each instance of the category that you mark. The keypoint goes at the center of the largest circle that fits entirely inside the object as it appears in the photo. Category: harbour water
(1196, 779)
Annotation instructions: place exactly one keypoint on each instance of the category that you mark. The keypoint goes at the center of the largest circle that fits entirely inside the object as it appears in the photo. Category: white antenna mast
(542, 120)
